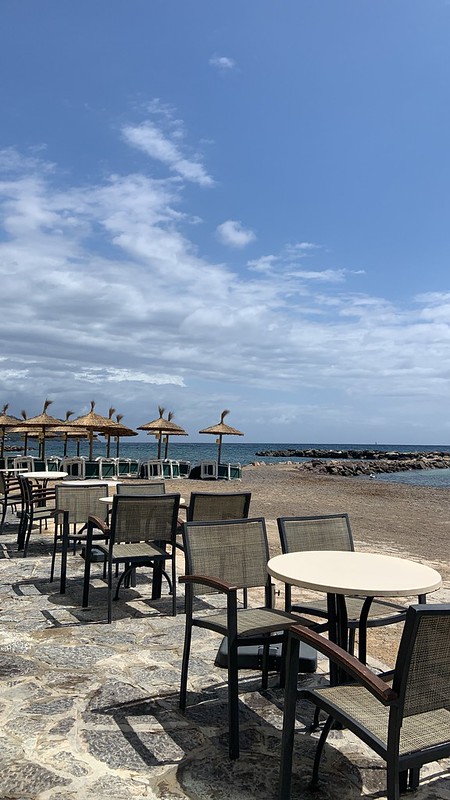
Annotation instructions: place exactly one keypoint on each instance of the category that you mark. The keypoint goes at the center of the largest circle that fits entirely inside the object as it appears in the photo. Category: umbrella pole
(108, 445)
(25, 444)
(117, 446)
(78, 447)
(65, 444)
(159, 446)
(219, 452)
(3, 443)
(167, 446)
(43, 445)
(91, 445)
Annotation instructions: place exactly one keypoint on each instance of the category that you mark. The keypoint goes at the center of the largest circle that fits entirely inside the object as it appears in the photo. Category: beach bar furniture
(10, 495)
(128, 467)
(225, 557)
(107, 467)
(229, 472)
(142, 487)
(141, 527)
(333, 532)
(153, 469)
(208, 470)
(75, 467)
(406, 720)
(38, 506)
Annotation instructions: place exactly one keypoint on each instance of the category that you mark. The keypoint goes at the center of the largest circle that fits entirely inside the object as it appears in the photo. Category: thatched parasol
(177, 431)
(6, 421)
(160, 426)
(117, 431)
(43, 423)
(93, 422)
(219, 430)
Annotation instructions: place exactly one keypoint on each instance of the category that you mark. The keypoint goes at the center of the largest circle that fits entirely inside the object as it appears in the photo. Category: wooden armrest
(349, 663)
(205, 580)
(95, 522)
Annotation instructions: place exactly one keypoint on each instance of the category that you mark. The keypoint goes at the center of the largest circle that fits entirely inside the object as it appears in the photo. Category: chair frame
(265, 626)
(10, 495)
(34, 509)
(155, 556)
(402, 768)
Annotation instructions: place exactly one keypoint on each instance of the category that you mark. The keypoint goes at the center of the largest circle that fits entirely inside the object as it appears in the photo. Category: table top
(91, 482)
(45, 475)
(14, 469)
(368, 574)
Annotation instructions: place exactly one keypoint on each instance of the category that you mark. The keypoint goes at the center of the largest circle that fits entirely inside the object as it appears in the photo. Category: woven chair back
(423, 662)
(146, 488)
(235, 551)
(81, 502)
(205, 506)
(138, 518)
(328, 532)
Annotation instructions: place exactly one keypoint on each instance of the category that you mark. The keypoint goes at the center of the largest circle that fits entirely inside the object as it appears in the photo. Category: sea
(246, 453)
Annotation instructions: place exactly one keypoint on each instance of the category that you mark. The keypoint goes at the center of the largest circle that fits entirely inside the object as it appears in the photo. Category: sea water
(246, 453)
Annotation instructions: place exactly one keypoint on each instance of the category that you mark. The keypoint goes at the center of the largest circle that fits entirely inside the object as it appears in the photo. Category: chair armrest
(95, 522)
(205, 580)
(378, 687)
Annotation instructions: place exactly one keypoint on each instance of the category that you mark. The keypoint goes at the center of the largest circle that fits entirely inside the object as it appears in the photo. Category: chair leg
(174, 584)
(323, 737)
(3, 518)
(396, 782)
(185, 662)
(290, 700)
(233, 698)
(109, 591)
(52, 565)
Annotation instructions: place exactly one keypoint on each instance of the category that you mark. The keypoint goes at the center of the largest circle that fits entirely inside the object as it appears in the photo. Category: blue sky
(242, 205)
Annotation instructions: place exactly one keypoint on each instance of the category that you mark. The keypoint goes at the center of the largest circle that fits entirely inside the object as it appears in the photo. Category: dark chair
(407, 723)
(141, 527)
(227, 556)
(205, 506)
(38, 506)
(141, 487)
(333, 532)
(73, 506)
(10, 495)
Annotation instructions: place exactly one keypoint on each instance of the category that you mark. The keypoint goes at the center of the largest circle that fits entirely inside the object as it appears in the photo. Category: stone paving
(90, 710)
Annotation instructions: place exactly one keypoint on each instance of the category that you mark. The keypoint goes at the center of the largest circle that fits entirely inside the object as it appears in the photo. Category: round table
(340, 573)
(45, 475)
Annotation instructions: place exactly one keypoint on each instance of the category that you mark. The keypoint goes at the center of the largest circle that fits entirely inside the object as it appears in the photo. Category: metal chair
(10, 495)
(224, 557)
(73, 506)
(141, 527)
(24, 462)
(75, 467)
(333, 532)
(141, 487)
(206, 506)
(407, 723)
(38, 505)
(107, 467)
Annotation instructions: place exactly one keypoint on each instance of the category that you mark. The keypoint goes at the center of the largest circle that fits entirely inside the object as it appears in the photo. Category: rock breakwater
(361, 462)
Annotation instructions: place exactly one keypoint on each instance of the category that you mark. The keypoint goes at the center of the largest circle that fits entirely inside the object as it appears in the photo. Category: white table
(45, 475)
(91, 482)
(340, 573)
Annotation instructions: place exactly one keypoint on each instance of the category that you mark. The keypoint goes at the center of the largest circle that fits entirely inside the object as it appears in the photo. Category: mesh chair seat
(419, 730)
(135, 551)
(251, 621)
(381, 612)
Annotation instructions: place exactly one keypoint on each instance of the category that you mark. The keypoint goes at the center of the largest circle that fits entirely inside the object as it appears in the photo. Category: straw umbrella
(122, 430)
(158, 427)
(6, 421)
(93, 422)
(219, 430)
(177, 431)
(43, 423)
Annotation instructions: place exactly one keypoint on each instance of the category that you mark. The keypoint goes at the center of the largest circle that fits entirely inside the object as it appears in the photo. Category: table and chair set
(403, 715)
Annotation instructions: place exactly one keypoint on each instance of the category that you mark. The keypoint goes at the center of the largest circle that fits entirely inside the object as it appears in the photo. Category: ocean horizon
(247, 452)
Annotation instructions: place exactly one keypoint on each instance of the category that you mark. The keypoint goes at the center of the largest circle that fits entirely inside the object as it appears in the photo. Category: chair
(107, 467)
(171, 468)
(333, 532)
(75, 467)
(38, 505)
(229, 472)
(73, 506)
(208, 470)
(407, 723)
(185, 468)
(139, 487)
(128, 467)
(53, 464)
(153, 469)
(224, 557)
(140, 529)
(10, 495)
(24, 462)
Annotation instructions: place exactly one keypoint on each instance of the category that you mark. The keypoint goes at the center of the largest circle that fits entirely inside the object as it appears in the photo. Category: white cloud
(233, 233)
(165, 146)
(223, 63)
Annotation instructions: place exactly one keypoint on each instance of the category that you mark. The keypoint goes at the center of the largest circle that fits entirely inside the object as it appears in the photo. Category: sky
(241, 205)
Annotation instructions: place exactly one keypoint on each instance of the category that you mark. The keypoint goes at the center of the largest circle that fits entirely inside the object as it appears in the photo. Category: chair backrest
(327, 532)
(214, 505)
(128, 467)
(24, 462)
(139, 518)
(236, 551)
(74, 466)
(208, 469)
(138, 487)
(153, 469)
(81, 501)
(422, 671)
(107, 467)
(53, 464)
